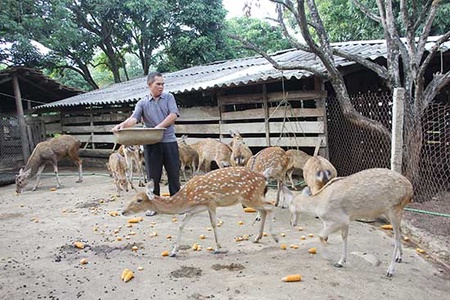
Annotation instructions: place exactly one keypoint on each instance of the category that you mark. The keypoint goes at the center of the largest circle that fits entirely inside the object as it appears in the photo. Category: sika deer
(273, 159)
(188, 156)
(296, 160)
(118, 167)
(218, 188)
(366, 194)
(49, 152)
(317, 171)
(134, 156)
(212, 150)
(240, 152)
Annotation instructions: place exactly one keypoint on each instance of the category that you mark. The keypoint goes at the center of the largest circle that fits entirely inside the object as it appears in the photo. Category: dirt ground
(38, 259)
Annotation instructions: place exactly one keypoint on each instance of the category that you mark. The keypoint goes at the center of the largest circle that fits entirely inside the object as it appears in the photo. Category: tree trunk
(413, 151)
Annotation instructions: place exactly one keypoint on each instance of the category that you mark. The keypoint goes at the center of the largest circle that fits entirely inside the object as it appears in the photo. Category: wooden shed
(267, 106)
(21, 90)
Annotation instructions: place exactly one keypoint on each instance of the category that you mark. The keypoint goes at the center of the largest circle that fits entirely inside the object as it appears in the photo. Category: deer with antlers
(218, 188)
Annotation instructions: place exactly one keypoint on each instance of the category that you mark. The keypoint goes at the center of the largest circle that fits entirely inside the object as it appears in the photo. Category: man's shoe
(150, 213)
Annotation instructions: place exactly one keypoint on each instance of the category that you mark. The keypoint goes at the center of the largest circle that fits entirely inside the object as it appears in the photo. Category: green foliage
(345, 22)
(196, 35)
(269, 38)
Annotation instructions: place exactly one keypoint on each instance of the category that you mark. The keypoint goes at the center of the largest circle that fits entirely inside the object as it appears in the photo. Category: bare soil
(38, 259)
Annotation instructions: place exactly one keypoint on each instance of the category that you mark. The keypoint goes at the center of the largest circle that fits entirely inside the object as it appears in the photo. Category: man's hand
(116, 128)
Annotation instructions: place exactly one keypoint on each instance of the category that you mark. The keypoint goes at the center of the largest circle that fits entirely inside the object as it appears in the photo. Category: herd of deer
(242, 178)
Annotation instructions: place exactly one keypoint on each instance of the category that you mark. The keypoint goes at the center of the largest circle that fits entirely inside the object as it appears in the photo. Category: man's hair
(151, 76)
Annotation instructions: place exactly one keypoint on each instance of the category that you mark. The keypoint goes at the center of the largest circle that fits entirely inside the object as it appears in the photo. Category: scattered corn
(83, 261)
(283, 246)
(127, 275)
(312, 250)
(249, 210)
(165, 253)
(386, 226)
(292, 278)
(136, 220)
(419, 250)
(79, 245)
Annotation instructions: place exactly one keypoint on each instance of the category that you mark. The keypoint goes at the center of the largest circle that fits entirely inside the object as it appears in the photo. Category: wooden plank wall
(286, 126)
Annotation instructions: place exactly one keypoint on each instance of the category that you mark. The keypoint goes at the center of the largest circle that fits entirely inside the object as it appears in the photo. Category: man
(158, 110)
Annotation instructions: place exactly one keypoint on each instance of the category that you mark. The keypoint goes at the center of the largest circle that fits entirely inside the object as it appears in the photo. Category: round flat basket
(139, 136)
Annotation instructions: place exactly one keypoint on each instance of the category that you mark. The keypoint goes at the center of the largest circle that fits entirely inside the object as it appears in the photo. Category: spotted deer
(118, 168)
(212, 150)
(188, 156)
(134, 158)
(240, 152)
(366, 194)
(218, 188)
(317, 171)
(273, 159)
(50, 151)
(296, 161)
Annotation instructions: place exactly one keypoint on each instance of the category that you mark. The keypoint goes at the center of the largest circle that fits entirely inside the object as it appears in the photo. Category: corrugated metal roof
(222, 74)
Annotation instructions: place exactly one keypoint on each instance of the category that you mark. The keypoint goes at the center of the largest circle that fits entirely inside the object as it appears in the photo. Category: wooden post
(266, 114)
(21, 118)
(397, 130)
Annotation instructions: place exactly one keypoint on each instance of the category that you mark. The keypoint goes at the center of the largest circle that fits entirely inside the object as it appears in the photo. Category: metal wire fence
(352, 148)
(11, 155)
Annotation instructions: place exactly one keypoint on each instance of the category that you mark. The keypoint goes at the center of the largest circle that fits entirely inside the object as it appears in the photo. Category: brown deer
(212, 150)
(273, 159)
(218, 188)
(49, 152)
(317, 171)
(134, 158)
(118, 168)
(240, 152)
(366, 194)
(188, 156)
(296, 160)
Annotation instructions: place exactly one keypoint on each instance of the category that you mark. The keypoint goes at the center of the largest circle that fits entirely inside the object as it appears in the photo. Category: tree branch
(432, 51)
(380, 70)
(434, 87)
(275, 64)
(366, 11)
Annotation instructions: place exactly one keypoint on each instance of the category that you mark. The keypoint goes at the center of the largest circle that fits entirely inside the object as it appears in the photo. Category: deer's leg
(55, 169)
(187, 217)
(79, 163)
(262, 215)
(343, 259)
(213, 220)
(289, 174)
(73, 154)
(398, 252)
(183, 169)
(279, 186)
(38, 176)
